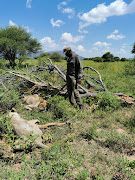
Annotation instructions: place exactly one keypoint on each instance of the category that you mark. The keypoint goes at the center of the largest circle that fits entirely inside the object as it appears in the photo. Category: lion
(34, 101)
(23, 127)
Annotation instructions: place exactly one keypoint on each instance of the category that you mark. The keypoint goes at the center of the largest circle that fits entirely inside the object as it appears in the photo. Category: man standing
(74, 75)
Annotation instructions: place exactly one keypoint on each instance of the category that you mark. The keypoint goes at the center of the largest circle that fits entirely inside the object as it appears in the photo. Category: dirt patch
(131, 154)
(119, 130)
(5, 149)
(128, 114)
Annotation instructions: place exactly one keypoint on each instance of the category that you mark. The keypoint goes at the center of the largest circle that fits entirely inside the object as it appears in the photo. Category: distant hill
(50, 52)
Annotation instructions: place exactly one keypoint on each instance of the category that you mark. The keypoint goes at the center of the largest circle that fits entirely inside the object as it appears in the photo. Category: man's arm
(79, 69)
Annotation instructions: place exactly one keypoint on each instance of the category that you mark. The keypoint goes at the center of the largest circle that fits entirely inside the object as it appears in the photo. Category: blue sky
(90, 27)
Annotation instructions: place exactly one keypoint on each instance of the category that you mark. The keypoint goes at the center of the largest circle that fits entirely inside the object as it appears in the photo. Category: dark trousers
(73, 93)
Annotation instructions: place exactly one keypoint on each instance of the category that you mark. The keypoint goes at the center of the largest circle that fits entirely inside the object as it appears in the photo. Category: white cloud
(124, 46)
(68, 38)
(11, 23)
(101, 44)
(100, 13)
(80, 48)
(48, 44)
(100, 48)
(83, 31)
(131, 7)
(122, 51)
(95, 48)
(115, 31)
(27, 29)
(28, 3)
(64, 3)
(57, 23)
(69, 11)
(116, 36)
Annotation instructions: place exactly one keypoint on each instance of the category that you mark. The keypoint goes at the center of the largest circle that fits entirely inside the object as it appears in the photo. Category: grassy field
(98, 145)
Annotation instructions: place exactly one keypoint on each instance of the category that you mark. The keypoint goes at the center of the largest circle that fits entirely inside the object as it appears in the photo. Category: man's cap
(66, 49)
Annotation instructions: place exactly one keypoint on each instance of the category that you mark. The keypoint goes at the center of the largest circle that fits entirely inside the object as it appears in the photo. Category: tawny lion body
(34, 101)
(24, 127)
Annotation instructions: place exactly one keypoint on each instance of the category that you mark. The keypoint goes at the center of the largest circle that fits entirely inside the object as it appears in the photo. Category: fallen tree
(91, 86)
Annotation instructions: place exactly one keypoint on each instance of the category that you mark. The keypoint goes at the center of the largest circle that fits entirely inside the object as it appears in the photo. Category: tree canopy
(133, 50)
(16, 41)
(108, 57)
(56, 56)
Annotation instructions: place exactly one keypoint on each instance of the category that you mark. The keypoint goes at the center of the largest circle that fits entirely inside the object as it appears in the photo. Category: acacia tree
(133, 50)
(108, 57)
(56, 56)
(15, 41)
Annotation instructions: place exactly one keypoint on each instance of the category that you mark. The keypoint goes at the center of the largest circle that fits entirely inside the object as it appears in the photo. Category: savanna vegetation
(108, 57)
(16, 42)
(98, 145)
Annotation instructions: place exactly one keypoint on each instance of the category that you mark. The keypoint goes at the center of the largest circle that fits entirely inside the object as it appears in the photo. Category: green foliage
(124, 59)
(56, 57)
(47, 138)
(58, 167)
(90, 100)
(90, 133)
(42, 55)
(96, 154)
(108, 57)
(26, 142)
(6, 129)
(96, 59)
(133, 50)
(116, 59)
(83, 175)
(61, 108)
(16, 41)
(130, 68)
(107, 102)
(130, 123)
(131, 164)
(8, 99)
(23, 58)
(117, 142)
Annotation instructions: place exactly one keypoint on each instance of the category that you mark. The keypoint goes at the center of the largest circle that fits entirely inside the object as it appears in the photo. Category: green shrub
(130, 123)
(117, 142)
(90, 100)
(56, 57)
(90, 133)
(61, 108)
(130, 68)
(107, 102)
(6, 129)
(83, 175)
(131, 164)
(59, 160)
(9, 99)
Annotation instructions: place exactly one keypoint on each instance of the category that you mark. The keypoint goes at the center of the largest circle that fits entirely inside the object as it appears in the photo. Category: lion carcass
(34, 101)
(23, 127)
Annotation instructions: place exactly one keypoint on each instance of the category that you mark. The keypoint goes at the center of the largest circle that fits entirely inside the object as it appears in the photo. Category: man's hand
(79, 81)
